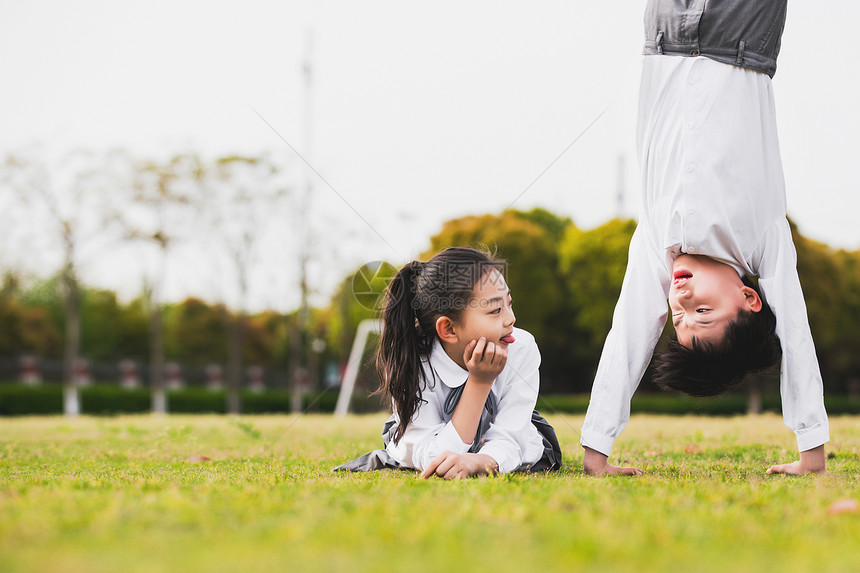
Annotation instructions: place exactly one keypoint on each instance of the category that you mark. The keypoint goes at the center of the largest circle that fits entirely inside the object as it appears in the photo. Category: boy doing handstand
(712, 214)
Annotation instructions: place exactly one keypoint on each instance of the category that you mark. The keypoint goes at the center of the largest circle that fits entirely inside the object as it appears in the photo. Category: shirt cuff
(504, 459)
(602, 444)
(449, 439)
(813, 437)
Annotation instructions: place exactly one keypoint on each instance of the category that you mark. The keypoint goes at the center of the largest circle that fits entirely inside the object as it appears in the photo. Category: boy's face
(705, 296)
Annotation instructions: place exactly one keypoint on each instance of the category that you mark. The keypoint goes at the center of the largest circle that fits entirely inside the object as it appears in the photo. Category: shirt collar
(450, 372)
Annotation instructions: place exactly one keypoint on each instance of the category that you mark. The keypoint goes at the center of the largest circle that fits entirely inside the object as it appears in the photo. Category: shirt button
(691, 249)
(694, 52)
(689, 125)
(690, 167)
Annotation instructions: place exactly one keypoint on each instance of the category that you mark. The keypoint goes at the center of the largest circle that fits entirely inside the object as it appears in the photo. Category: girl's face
(489, 313)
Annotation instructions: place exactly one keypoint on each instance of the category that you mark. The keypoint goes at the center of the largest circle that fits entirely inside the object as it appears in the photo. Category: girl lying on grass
(461, 380)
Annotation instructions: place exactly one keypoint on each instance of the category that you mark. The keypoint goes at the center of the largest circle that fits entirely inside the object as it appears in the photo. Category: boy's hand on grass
(449, 465)
(810, 462)
(595, 464)
(484, 360)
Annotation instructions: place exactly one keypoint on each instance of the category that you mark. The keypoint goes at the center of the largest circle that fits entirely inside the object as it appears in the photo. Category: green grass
(128, 494)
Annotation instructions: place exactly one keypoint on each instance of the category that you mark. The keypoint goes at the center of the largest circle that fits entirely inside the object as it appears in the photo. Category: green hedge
(105, 400)
(197, 401)
(726, 405)
(19, 400)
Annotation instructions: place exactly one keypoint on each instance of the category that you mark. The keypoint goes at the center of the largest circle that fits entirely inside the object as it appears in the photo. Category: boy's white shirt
(511, 440)
(712, 184)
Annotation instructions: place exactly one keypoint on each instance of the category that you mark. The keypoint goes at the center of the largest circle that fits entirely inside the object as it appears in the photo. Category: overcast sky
(420, 111)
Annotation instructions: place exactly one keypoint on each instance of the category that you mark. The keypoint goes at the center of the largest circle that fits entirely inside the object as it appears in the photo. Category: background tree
(261, 341)
(45, 295)
(268, 339)
(67, 198)
(528, 242)
(25, 329)
(846, 359)
(195, 332)
(103, 328)
(831, 286)
(133, 331)
(242, 195)
(593, 264)
(358, 297)
(165, 195)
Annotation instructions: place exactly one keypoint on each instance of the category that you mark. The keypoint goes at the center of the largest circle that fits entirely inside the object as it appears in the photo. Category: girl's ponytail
(401, 346)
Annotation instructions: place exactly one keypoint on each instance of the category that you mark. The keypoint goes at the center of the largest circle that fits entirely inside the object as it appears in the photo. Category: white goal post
(365, 328)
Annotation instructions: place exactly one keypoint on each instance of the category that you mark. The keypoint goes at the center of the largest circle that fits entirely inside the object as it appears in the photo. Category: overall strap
(488, 415)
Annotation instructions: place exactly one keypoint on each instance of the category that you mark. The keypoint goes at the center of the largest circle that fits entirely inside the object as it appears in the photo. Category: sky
(416, 113)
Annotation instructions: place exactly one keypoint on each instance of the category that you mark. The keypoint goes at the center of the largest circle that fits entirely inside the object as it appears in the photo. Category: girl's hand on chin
(484, 360)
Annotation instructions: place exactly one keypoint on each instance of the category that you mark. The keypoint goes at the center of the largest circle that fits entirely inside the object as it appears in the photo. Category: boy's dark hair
(750, 344)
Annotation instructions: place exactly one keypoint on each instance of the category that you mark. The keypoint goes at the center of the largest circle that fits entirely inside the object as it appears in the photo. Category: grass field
(209, 493)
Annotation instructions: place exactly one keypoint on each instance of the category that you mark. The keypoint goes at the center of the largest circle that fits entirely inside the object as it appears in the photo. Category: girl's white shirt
(511, 440)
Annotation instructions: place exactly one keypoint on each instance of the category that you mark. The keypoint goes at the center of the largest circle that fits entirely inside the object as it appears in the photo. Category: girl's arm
(484, 361)
(428, 435)
(510, 437)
